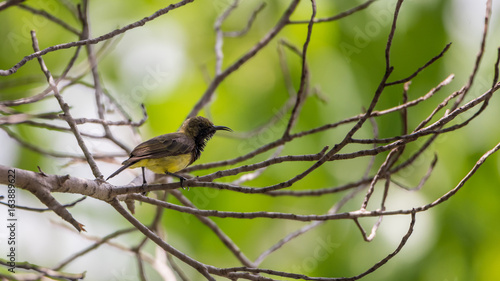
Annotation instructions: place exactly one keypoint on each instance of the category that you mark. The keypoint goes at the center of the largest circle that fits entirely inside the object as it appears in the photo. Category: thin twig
(45, 272)
(250, 21)
(41, 210)
(67, 115)
(50, 17)
(96, 40)
(496, 69)
(207, 96)
(228, 242)
(423, 180)
(427, 64)
(92, 247)
(202, 268)
(304, 76)
(391, 255)
(9, 3)
(340, 15)
(356, 118)
(479, 56)
(219, 36)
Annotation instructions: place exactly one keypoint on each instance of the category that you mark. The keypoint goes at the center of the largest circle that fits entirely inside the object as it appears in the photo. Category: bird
(170, 153)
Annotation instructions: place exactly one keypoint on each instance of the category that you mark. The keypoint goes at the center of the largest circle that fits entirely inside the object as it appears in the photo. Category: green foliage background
(165, 65)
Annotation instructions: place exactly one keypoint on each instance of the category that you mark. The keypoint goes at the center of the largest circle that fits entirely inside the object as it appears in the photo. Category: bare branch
(67, 115)
(340, 15)
(45, 272)
(96, 245)
(213, 226)
(391, 255)
(427, 64)
(251, 20)
(96, 40)
(202, 268)
(304, 77)
(495, 76)
(41, 210)
(479, 56)
(207, 96)
(9, 3)
(50, 17)
(380, 160)
(219, 36)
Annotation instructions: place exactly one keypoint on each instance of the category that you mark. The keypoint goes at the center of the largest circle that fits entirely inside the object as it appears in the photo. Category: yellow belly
(169, 164)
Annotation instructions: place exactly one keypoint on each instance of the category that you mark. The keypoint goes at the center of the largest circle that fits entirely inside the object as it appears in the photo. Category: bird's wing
(162, 146)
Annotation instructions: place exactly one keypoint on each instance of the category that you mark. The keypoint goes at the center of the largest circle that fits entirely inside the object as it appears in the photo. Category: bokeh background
(167, 64)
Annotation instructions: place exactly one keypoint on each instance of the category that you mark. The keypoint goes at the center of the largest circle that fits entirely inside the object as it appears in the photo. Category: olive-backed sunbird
(170, 153)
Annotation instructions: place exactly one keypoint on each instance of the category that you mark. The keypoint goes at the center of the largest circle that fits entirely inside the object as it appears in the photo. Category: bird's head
(201, 129)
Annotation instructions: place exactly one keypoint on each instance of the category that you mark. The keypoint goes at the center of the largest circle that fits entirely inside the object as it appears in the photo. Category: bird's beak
(216, 128)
